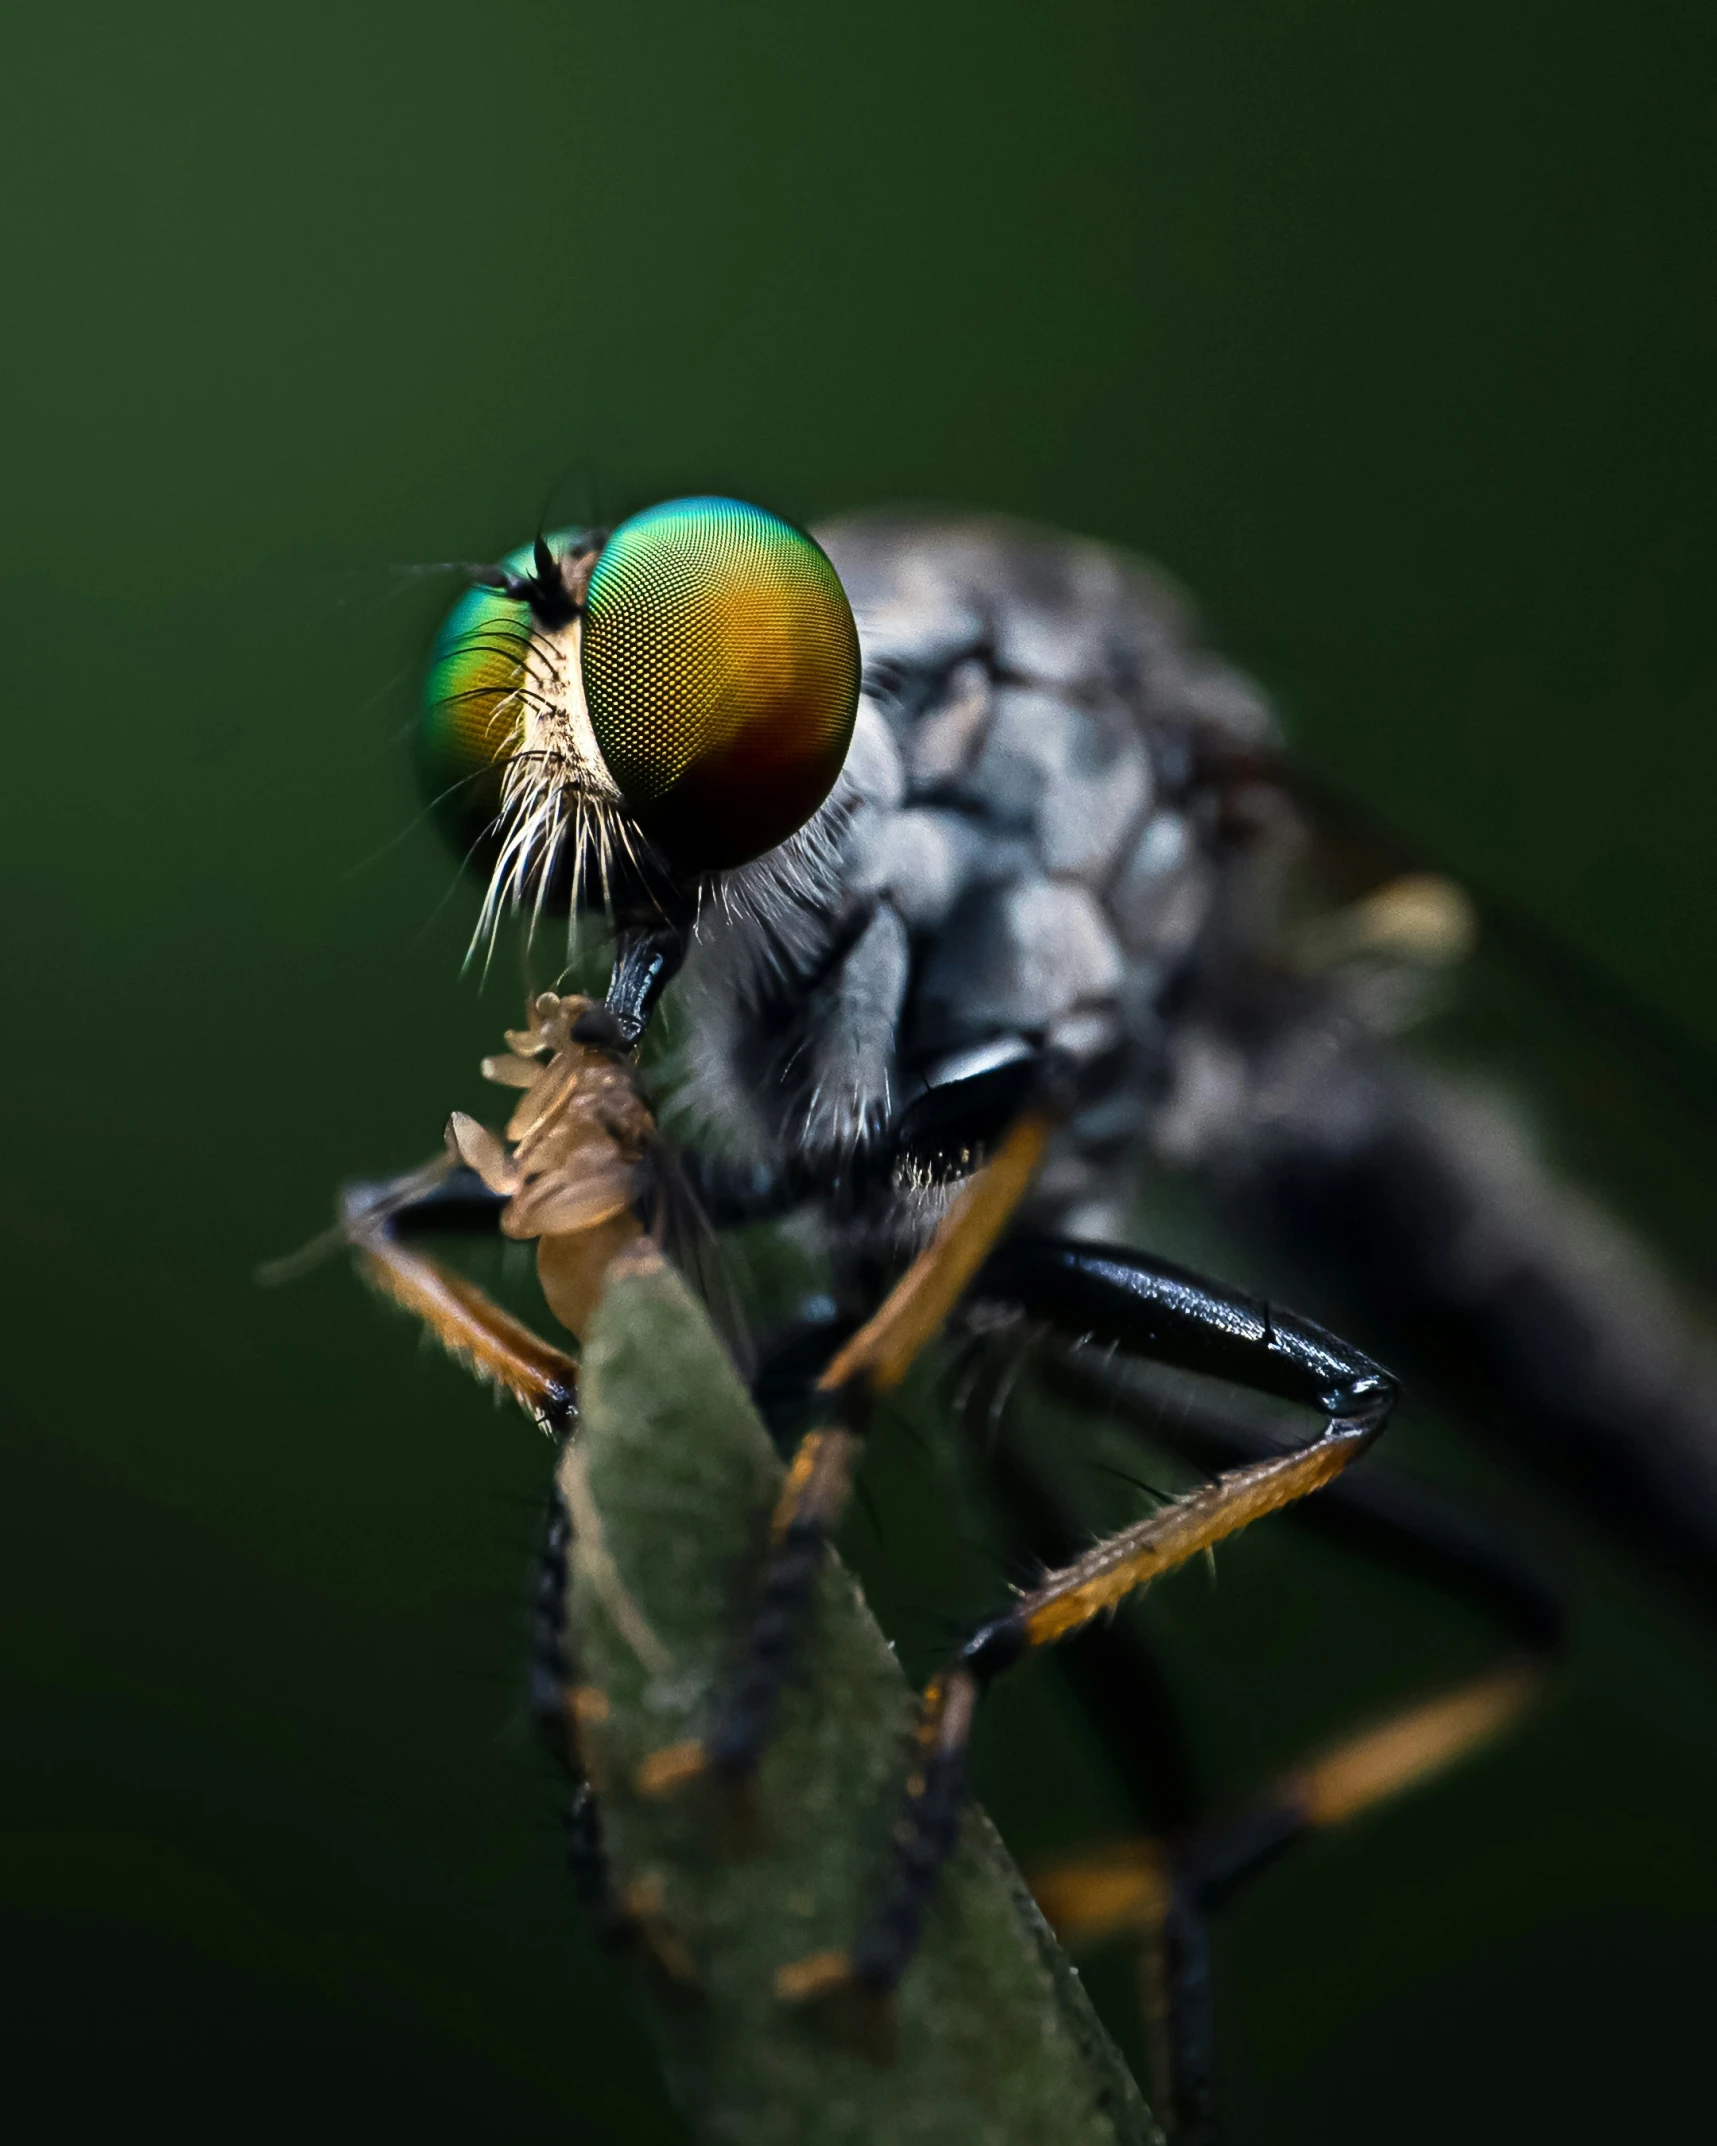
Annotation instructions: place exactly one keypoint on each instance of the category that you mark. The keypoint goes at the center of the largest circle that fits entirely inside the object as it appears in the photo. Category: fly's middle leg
(1150, 1309)
(870, 1364)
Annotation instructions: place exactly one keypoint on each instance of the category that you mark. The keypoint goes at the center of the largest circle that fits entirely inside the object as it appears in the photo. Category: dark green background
(1391, 330)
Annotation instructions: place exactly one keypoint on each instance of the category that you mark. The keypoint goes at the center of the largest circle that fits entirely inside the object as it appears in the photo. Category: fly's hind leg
(1161, 1892)
(382, 1222)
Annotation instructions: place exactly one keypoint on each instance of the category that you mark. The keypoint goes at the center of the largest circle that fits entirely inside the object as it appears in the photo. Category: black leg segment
(1148, 1307)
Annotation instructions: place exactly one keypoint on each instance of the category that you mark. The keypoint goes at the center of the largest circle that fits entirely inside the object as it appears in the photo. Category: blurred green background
(1391, 331)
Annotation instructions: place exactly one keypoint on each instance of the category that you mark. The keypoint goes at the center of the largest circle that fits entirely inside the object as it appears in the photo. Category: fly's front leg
(570, 1714)
(1149, 1309)
(819, 1480)
(556, 1702)
(379, 1222)
(566, 1176)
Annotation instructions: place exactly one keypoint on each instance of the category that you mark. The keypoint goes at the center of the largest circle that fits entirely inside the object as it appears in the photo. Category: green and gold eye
(471, 706)
(721, 671)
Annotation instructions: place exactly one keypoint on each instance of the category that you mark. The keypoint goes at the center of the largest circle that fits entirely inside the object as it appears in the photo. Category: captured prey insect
(968, 867)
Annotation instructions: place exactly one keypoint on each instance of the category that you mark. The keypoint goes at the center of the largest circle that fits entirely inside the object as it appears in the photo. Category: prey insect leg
(1151, 1309)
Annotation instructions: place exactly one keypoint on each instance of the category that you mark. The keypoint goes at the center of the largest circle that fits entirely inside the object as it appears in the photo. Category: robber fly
(971, 871)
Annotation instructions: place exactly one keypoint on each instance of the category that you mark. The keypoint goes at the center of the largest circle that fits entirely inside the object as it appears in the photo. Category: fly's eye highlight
(721, 671)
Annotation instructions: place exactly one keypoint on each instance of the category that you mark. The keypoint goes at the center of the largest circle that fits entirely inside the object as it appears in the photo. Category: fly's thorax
(1037, 849)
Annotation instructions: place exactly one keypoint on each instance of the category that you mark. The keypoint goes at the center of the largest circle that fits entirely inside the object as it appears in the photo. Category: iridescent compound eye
(721, 670)
(471, 706)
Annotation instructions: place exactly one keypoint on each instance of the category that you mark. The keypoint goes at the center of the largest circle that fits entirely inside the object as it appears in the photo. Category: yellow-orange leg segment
(469, 1324)
(1063, 1603)
(1147, 1308)
(819, 1482)
(1161, 1892)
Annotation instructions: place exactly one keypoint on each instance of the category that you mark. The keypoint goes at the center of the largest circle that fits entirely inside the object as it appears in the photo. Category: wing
(1513, 1185)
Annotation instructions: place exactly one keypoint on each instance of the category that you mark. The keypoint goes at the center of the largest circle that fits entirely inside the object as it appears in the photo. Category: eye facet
(470, 718)
(721, 670)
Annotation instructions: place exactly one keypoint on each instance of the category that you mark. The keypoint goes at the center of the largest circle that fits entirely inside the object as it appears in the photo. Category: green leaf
(672, 1480)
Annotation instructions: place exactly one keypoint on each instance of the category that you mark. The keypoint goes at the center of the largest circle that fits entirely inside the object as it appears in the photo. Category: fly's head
(627, 719)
